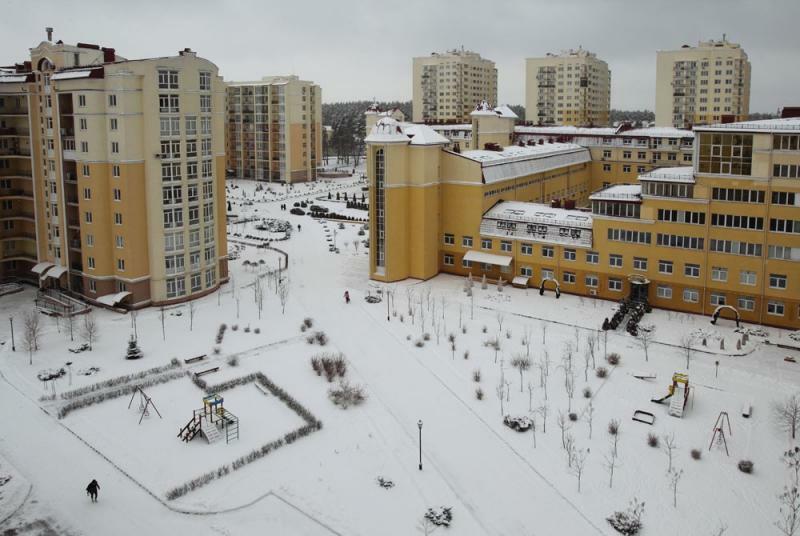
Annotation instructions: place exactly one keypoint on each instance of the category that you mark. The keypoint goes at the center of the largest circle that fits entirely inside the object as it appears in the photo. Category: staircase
(55, 302)
(211, 431)
(191, 429)
(677, 402)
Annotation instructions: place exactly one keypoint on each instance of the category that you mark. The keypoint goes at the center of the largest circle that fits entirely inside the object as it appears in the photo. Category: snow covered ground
(496, 480)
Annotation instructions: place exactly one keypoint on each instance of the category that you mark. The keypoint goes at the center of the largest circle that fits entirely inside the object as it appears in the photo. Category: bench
(207, 371)
(194, 359)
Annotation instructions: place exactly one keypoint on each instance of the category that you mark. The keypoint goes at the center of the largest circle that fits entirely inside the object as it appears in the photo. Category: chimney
(49, 31)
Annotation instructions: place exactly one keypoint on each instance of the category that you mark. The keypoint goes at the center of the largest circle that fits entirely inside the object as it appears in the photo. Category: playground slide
(661, 400)
(677, 403)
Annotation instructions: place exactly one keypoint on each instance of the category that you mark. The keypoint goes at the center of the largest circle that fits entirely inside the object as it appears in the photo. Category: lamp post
(419, 425)
(13, 346)
(388, 295)
(69, 368)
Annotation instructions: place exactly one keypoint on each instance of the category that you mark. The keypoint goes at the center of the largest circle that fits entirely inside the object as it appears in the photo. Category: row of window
(174, 241)
(172, 148)
(171, 171)
(173, 217)
(168, 79)
(682, 216)
(171, 125)
(176, 286)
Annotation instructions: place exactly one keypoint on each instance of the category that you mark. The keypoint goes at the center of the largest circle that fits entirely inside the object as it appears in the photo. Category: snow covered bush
(320, 338)
(256, 330)
(613, 358)
(476, 375)
(479, 393)
(221, 333)
(346, 395)
(630, 521)
(426, 336)
(573, 417)
(233, 361)
(601, 372)
(466, 354)
(587, 392)
(440, 517)
(308, 322)
(235, 327)
(652, 440)
(419, 343)
(113, 382)
(316, 364)
(696, 454)
(745, 466)
(303, 327)
(247, 329)
(217, 350)
(613, 427)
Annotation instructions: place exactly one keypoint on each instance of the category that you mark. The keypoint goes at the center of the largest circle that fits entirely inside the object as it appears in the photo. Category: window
(85, 170)
(466, 241)
(205, 81)
(191, 149)
(208, 192)
(90, 262)
(194, 238)
(92, 285)
(173, 242)
(775, 308)
(121, 265)
(784, 226)
(194, 215)
(205, 103)
(196, 282)
(170, 149)
(449, 239)
(505, 245)
(568, 277)
(208, 234)
(626, 235)
(737, 222)
(168, 104)
(194, 260)
(737, 195)
(640, 263)
(569, 254)
(678, 241)
(466, 264)
(87, 193)
(167, 79)
(615, 284)
(747, 277)
(717, 298)
(113, 123)
(777, 281)
(205, 125)
(784, 198)
(117, 218)
(664, 292)
(735, 248)
(84, 146)
(691, 270)
(615, 260)
(727, 154)
(81, 100)
(115, 171)
(119, 241)
(82, 123)
(172, 194)
(746, 303)
(448, 259)
(547, 251)
(173, 218)
(191, 170)
(526, 249)
(626, 168)
(527, 271)
(170, 126)
(87, 217)
(112, 100)
(191, 125)
(547, 274)
(591, 280)
(174, 264)
(719, 274)
(606, 167)
(211, 277)
(691, 295)
(171, 172)
(176, 287)
(592, 257)
(210, 255)
(114, 147)
(90, 240)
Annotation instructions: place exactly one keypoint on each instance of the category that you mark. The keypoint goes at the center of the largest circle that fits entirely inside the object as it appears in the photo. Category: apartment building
(721, 233)
(701, 85)
(274, 129)
(115, 189)
(448, 86)
(569, 88)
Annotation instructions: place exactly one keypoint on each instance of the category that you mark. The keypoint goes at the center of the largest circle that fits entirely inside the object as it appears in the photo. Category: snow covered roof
(464, 126)
(483, 108)
(487, 258)
(669, 174)
(516, 161)
(618, 192)
(42, 267)
(113, 299)
(537, 223)
(762, 125)
(389, 130)
(56, 272)
(75, 73)
(566, 130)
(659, 132)
(11, 78)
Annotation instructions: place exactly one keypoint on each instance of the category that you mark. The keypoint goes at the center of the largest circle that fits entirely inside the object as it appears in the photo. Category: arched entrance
(720, 308)
(640, 286)
(555, 285)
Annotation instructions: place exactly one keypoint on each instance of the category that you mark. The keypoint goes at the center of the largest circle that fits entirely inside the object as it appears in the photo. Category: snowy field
(422, 363)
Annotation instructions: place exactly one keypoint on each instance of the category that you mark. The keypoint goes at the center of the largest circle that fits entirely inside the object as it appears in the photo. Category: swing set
(145, 402)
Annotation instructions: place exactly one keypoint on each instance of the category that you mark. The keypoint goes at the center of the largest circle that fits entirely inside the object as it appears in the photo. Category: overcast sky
(363, 49)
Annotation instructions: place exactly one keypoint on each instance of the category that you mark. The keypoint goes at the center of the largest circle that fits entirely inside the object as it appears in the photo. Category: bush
(310, 339)
(221, 333)
(696, 454)
(587, 392)
(247, 329)
(464, 329)
(613, 427)
(316, 364)
(484, 329)
(321, 338)
(653, 441)
(508, 334)
(573, 417)
(419, 343)
(613, 358)
(217, 350)
(476, 375)
(235, 327)
(256, 330)
(308, 322)
(346, 395)
(466, 354)
(745, 466)
(630, 521)
(233, 361)
(601, 372)
(303, 328)
(426, 336)
(479, 393)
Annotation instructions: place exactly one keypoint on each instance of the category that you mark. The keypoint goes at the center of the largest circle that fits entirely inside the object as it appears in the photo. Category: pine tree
(134, 352)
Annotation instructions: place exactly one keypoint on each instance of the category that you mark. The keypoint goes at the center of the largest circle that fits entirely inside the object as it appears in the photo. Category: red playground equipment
(213, 420)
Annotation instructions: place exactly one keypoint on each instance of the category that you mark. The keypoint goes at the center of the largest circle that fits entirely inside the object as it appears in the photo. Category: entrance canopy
(42, 267)
(520, 281)
(487, 258)
(113, 299)
(56, 272)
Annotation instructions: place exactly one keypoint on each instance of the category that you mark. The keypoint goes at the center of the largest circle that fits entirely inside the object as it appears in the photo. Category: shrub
(476, 375)
(408, 337)
(247, 329)
(256, 330)
(310, 339)
(451, 338)
(308, 322)
(573, 417)
(217, 350)
(346, 395)
(235, 327)
(316, 364)
(613, 358)
(419, 343)
(233, 361)
(628, 522)
(601, 372)
(464, 329)
(221, 333)
(484, 329)
(466, 354)
(479, 393)
(745, 466)
(613, 427)
(587, 392)
(303, 327)
(426, 336)
(653, 441)
(401, 319)
(321, 338)
(508, 334)
(696, 454)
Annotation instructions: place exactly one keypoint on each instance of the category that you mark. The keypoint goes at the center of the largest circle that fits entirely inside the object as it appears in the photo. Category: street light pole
(13, 346)
(419, 425)
(388, 295)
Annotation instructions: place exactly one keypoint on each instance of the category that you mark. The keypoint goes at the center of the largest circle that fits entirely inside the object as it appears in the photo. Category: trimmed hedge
(113, 382)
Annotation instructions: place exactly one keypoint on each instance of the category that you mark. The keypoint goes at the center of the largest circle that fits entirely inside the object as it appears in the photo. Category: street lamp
(419, 425)
(13, 346)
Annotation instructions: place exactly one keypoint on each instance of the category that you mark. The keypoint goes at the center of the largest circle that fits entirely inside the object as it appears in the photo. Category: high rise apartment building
(448, 86)
(112, 174)
(570, 88)
(274, 129)
(706, 84)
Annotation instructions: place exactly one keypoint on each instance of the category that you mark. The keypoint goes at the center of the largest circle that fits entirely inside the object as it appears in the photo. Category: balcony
(17, 235)
(18, 132)
(68, 145)
(13, 111)
(16, 192)
(18, 215)
(16, 151)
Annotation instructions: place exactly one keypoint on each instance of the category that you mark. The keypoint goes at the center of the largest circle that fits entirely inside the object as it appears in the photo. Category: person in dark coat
(91, 490)
(347, 296)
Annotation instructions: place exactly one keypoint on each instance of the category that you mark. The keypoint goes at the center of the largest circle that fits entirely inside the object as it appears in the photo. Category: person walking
(91, 490)
(347, 296)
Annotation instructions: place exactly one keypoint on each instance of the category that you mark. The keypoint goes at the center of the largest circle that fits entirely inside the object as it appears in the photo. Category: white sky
(363, 49)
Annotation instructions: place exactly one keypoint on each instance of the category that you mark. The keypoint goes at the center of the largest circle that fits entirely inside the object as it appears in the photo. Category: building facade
(723, 232)
(123, 191)
(701, 85)
(274, 129)
(570, 88)
(448, 86)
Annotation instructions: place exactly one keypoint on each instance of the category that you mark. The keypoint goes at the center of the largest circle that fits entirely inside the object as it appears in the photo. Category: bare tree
(500, 395)
(533, 428)
(544, 371)
(645, 337)
(669, 447)
(283, 295)
(89, 329)
(786, 414)
(613, 431)
(530, 396)
(674, 477)
(611, 463)
(192, 310)
(591, 341)
(521, 363)
(589, 417)
(563, 425)
(31, 332)
(579, 464)
(500, 317)
(526, 340)
(587, 358)
(258, 291)
(426, 527)
(789, 520)
(162, 315)
(686, 345)
(569, 387)
(543, 411)
(543, 326)
(577, 339)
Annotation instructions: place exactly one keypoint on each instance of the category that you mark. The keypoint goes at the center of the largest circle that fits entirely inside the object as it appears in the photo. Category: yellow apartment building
(701, 85)
(569, 88)
(721, 232)
(274, 129)
(116, 188)
(447, 86)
